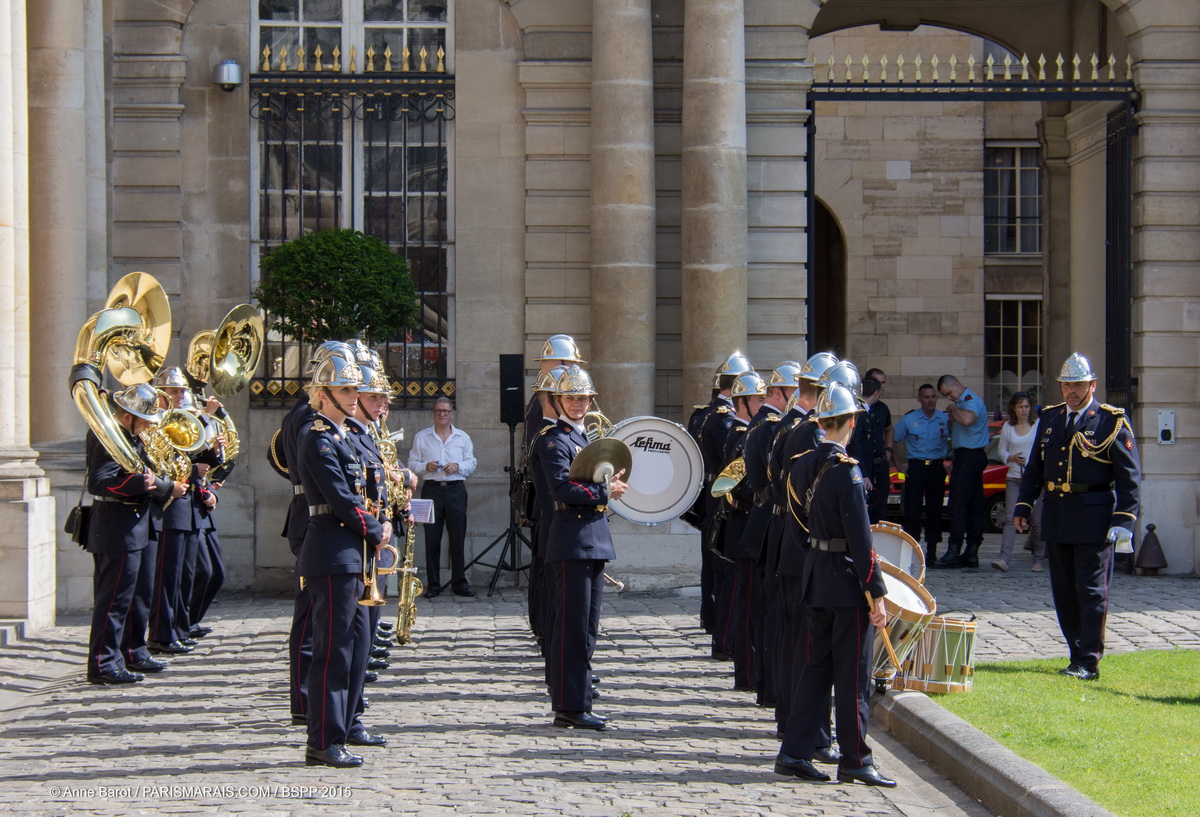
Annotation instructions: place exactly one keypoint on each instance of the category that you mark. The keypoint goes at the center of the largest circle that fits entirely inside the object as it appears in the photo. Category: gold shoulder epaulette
(1112, 409)
(544, 429)
(741, 428)
(1056, 405)
(803, 454)
(701, 406)
(773, 418)
(319, 425)
(724, 410)
(846, 458)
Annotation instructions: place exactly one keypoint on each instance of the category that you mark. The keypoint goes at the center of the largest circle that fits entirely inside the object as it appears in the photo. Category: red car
(994, 477)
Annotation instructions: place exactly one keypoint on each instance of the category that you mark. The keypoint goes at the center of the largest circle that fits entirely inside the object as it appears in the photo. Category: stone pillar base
(27, 583)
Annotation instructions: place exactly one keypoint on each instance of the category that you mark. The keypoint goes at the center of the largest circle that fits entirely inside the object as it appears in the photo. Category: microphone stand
(512, 536)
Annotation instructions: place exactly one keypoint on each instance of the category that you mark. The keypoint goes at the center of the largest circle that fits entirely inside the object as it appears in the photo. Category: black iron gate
(1120, 385)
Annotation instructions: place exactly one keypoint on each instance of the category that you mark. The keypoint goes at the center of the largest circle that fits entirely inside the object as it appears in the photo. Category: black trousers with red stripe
(167, 600)
(841, 640)
(340, 643)
(133, 641)
(574, 625)
(300, 650)
(745, 593)
(113, 586)
(1080, 576)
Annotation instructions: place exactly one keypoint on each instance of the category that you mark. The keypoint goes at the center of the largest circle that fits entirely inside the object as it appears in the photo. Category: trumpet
(371, 597)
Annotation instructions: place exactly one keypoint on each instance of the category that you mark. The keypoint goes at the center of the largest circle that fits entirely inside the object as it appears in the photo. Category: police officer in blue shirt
(968, 439)
(579, 544)
(926, 432)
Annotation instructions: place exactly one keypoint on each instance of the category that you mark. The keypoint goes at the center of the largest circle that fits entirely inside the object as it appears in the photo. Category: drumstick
(620, 585)
(887, 641)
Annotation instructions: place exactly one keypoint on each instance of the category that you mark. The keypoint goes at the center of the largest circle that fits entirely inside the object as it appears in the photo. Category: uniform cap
(1076, 369)
(140, 400)
(748, 384)
(837, 401)
(561, 347)
(575, 381)
(786, 375)
(816, 366)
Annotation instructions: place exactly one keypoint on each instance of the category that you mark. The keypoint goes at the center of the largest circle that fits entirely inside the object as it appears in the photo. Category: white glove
(1121, 537)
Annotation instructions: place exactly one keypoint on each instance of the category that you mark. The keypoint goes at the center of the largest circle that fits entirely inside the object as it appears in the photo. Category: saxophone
(410, 587)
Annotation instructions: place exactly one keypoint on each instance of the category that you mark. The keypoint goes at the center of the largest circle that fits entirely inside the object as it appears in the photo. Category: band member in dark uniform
(118, 537)
(736, 567)
(542, 509)
(579, 544)
(1085, 456)
(332, 558)
(840, 572)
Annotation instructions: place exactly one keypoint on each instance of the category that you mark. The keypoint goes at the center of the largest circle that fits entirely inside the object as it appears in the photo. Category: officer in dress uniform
(283, 456)
(736, 590)
(840, 572)
(760, 437)
(118, 539)
(579, 544)
(332, 563)
(712, 427)
(926, 433)
(542, 511)
(778, 650)
(1085, 457)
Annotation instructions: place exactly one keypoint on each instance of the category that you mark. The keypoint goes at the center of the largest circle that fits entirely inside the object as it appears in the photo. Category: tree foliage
(336, 285)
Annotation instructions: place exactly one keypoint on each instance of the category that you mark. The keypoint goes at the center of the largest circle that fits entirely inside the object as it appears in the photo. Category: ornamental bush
(337, 285)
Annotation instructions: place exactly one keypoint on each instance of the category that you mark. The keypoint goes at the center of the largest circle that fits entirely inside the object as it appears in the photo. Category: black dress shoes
(299, 720)
(827, 754)
(387, 626)
(867, 774)
(170, 648)
(433, 591)
(382, 642)
(121, 676)
(149, 665)
(721, 656)
(189, 642)
(366, 739)
(950, 559)
(199, 631)
(336, 756)
(799, 767)
(377, 663)
(379, 652)
(1080, 672)
(464, 590)
(579, 720)
(371, 677)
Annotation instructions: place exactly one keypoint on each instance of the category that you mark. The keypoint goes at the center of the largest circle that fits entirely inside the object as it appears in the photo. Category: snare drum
(910, 608)
(896, 547)
(944, 658)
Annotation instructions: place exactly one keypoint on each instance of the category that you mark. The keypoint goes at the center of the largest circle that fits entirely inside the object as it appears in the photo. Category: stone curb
(1005, 783)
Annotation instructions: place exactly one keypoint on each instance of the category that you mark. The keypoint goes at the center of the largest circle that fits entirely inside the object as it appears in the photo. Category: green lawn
(1130, 741)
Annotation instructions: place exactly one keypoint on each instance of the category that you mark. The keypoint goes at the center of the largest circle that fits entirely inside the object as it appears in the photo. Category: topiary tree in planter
(335, 285)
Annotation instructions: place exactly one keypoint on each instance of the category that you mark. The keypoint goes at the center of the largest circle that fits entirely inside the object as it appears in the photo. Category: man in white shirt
(444, 457)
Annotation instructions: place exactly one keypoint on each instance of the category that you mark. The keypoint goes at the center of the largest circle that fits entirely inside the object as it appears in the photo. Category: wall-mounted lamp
(227, 75)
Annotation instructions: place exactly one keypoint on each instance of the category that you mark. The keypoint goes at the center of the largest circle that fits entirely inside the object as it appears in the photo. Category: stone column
(26, 509)
(1056, 244)
(714, 190)
(58, 215)
(622, 209)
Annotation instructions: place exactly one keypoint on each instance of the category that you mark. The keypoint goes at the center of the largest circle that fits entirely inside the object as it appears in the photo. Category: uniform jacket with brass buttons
(1090, 476)
(332, 475)
(579, 529)
(120, 523)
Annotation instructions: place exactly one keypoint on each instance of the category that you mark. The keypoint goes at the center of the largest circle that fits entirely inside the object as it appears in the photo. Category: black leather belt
(319, 510)
(779, 510)
(562, 506)
(925, 462)
(116, 501)
(829, 545)
(1077, 487)
(297, 490)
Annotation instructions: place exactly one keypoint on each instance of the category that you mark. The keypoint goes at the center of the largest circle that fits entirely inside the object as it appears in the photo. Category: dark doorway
(829, 273)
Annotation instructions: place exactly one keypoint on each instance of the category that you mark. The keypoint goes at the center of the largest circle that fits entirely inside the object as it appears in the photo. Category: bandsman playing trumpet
(579, 544)
(339, 532)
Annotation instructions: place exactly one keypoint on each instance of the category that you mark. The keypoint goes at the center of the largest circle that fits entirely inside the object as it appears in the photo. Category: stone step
(12, 630)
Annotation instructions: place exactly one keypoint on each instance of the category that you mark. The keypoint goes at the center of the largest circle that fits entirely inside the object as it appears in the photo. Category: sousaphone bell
(226, 357)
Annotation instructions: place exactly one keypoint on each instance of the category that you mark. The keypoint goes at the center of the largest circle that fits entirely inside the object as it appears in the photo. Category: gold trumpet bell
(370, 596)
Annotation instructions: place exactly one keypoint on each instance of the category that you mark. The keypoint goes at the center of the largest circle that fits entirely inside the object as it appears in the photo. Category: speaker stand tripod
(511, 538)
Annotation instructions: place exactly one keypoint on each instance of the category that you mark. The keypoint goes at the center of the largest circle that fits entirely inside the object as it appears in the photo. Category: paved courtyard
(468, 722)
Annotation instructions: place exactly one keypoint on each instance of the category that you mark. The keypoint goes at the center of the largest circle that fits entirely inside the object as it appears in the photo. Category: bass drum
(667, 470)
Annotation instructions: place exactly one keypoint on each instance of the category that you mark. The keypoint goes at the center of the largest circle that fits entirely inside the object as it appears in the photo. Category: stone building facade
(632, 172)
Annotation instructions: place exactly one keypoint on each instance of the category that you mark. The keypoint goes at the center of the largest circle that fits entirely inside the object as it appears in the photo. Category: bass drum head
(896, 547)
(667, 470)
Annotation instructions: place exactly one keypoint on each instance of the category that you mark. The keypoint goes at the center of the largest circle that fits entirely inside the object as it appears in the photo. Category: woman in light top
(1016, 441)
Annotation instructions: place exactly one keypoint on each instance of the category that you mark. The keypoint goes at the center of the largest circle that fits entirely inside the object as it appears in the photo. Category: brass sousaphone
(129, 337)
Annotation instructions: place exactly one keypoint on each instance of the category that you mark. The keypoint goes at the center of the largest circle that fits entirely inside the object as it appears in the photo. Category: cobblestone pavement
(468, 721)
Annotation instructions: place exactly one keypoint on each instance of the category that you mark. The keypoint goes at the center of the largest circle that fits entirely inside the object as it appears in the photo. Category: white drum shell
(667, 470)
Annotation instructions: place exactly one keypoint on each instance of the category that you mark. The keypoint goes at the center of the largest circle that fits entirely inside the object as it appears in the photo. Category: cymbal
(597, 457)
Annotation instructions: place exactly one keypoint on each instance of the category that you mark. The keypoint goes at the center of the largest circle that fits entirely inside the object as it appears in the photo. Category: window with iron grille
(1012, 348)
(352, 102)
(1012, 201)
